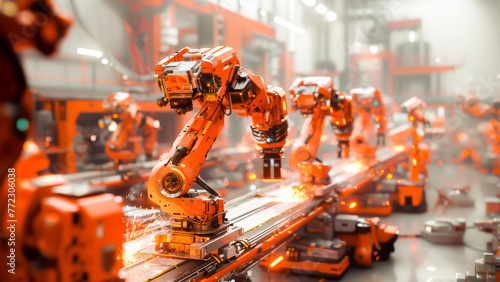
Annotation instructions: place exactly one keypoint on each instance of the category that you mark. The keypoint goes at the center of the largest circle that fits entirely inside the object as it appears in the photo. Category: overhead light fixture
(374, 49)
(438, 60)
(412, 36)
(331, 16)
(263, 12)
(104, 61)
(89, 52)
(321, 9)
(289, 25)
(309, 3)
(247, 5)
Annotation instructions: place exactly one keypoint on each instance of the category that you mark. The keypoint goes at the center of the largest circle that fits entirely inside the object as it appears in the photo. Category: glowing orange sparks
(352, 205)
(274, 263)
(252, 176)
(389, 176)
(352, 167)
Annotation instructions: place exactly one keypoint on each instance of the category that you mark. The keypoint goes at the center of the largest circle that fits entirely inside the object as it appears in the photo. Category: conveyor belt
(262, 216)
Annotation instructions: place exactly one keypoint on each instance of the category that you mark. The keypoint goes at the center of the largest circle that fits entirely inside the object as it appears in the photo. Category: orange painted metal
(277, 238)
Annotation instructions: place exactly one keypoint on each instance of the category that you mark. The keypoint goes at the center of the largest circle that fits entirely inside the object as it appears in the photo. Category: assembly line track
(262, 217)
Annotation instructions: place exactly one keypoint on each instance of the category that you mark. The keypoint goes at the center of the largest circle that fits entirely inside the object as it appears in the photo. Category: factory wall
(103, 30)
(463, 27)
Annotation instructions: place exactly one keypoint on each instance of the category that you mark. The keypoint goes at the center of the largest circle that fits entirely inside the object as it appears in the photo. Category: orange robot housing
(213, 78)
(315, 97)
(493, 138)
(471, 105)
(23, 23)
(135, 132)
(420, 153)
(368, 104)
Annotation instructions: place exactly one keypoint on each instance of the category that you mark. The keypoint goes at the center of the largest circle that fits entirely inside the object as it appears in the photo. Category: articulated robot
(472, 106)
(213, 78)
(315, 97)
(47, 231)
(125, 144)
(420, 154)
(410, 194)
(368, 103)
(493, 138)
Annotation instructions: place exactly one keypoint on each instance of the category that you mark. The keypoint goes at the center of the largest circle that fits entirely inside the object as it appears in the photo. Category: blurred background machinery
(444, 53)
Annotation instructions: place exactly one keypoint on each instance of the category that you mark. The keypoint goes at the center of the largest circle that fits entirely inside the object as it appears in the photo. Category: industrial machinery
(444, 231)
(268, 216)
(135, 132)
(493, 139)
(213, 78)
(49, 230)
(315, 97)
(472, 106)
(370, 239)
(357, 241)
(410, 190)
(15, 99)
(368, 104)
(486, 268)
(311, 256)
(487, 160)
(390, 192)
(454, 197)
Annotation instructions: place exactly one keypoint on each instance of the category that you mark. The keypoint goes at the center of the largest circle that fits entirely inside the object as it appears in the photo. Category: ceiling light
(331, 16)
(89, 52)
(321, 9)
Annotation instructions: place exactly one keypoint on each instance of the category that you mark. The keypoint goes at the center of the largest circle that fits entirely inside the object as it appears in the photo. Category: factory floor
(414, 258)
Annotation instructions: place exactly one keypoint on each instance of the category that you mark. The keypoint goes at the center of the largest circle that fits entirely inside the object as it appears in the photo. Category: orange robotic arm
(117, 146)
(420, 153)
(368, 102)
(213, 78)
(311, 96)
(125, 144)
(380, 117)
(250, 96)
(342, 122)
(472, 105)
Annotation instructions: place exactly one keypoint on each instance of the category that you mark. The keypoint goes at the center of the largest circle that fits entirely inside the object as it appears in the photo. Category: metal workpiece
(444, 231)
